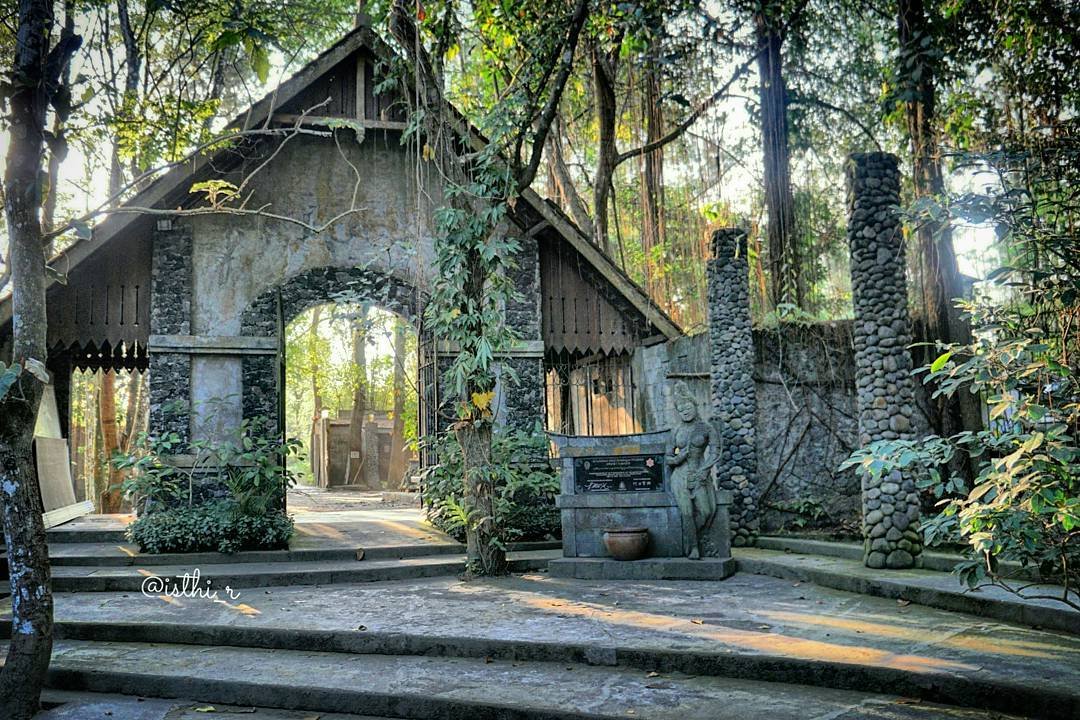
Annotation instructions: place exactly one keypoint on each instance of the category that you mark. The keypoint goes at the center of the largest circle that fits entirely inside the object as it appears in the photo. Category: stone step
(437, 687)
(237, 575)
(926, 587)
(118, 554)
(937, 561)
(60, 534)
(993, 691)
(68, 705)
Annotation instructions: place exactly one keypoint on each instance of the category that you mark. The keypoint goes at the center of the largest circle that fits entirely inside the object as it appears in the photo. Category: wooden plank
(62, 515)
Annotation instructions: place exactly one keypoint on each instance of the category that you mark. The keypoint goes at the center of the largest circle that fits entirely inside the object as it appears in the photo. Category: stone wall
(806, 420)
(170, 314)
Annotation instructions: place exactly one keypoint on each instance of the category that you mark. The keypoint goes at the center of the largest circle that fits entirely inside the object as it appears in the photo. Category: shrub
(219, 525)
(525, 488)
(252, 467)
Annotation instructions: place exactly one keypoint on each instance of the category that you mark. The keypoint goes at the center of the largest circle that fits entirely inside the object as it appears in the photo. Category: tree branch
(547, 116)
(676, 132)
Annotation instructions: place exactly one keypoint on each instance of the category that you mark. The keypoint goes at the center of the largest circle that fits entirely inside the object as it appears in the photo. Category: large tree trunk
(315, 445)
(397, 437)
(110, 442)
(940, 283)
(354, 472)
(34, 71)
(603, 75)
(565, 191)
(483, 553)
(779, 202)
(652, 180)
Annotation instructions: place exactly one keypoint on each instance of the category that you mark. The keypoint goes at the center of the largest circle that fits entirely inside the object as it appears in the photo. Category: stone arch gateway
(197, 298)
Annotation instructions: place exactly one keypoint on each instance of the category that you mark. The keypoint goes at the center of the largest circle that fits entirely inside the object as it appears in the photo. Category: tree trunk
(315, 453)
(485, 555)
(132, 66)
(110, 442)
(133, 424)
(566, 192)
(30, 647)
(652, 180)
(939, 278)
(397, 437)
(779, 202)
(355, 465)
(603, 74)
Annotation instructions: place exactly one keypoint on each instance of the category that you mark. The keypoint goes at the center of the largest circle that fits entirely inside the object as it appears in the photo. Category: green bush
(525, 484)
(252, 467)
(219, 525)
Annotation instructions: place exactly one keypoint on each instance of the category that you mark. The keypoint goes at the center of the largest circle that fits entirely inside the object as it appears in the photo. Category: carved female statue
(688, 456)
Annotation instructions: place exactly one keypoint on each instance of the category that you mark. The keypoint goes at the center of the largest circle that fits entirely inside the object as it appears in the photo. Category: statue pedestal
(647, 569)
(621, 482)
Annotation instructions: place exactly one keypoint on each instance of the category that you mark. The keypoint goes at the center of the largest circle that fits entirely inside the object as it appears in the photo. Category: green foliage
(221, 525)
(254, 467)
(525, 488)
(253, 464)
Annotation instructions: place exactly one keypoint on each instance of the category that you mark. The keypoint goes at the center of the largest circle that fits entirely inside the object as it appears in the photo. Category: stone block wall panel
(882, 332)
(732, 383)
(170, 314)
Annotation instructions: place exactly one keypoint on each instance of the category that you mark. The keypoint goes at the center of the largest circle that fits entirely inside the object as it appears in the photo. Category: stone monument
(662, 482)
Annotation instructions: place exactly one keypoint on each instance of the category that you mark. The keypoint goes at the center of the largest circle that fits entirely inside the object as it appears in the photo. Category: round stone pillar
(882, 332)
(732, 378)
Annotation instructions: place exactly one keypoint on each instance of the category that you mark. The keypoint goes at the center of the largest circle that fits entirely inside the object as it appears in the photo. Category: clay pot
(626, 543)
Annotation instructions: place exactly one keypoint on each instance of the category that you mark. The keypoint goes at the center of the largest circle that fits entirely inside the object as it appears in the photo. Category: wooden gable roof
(336, 74)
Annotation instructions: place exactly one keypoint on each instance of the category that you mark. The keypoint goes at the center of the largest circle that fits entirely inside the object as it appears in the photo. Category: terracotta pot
(626, 543)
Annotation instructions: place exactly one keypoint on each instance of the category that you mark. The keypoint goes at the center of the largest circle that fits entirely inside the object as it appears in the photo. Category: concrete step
(437, 687)
(926, 587)
(749, 627)
(119, 555)
(937, 561)
(67, 705)
(237, 575)
(988, 690)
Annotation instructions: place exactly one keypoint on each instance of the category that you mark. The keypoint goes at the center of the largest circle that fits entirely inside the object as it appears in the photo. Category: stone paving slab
(425, 687)
(368, 526)
(927, 587)
(746, 625)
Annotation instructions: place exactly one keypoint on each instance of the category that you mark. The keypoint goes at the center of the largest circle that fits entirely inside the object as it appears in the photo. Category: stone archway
(277, 306)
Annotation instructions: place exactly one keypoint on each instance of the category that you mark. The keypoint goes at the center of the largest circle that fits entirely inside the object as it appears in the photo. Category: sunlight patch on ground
(770, 643)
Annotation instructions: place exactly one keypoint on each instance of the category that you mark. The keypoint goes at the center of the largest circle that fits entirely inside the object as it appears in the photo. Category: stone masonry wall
(882, 332)
(170, 314)
(732, 392)
(805, 424)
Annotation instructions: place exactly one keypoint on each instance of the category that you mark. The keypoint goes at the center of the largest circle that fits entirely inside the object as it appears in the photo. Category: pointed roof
(170, 189)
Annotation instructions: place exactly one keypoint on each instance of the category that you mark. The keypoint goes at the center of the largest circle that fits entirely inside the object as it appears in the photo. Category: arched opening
(351, 396)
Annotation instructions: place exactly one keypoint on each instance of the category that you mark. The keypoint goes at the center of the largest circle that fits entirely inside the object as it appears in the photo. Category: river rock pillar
(731, 378)
(882, 333)
(170, 314)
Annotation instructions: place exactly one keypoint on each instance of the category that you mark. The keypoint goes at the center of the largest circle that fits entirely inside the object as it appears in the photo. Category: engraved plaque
(619, 473)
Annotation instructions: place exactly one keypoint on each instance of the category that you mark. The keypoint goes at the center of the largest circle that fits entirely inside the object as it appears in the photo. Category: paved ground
(746, 614)
(324, 519)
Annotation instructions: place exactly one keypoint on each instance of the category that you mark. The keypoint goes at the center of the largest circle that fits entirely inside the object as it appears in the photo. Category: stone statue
(692, 451)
